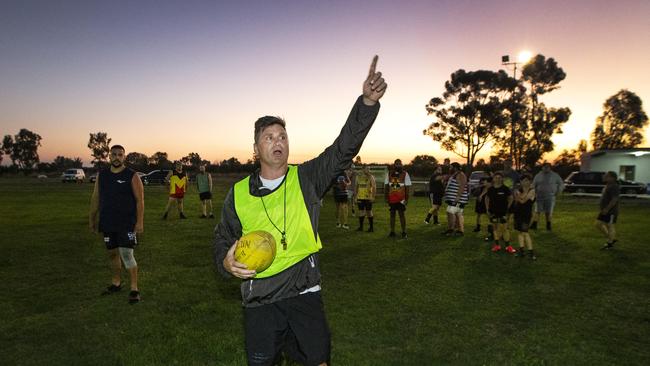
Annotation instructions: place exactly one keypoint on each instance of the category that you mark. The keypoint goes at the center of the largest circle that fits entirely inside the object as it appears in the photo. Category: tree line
(476, 109)
(484, 107)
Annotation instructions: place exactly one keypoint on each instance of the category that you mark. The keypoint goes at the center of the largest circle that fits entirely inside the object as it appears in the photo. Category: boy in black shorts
(608, 214)
(523, 213)
(498, 200)
(480, 209)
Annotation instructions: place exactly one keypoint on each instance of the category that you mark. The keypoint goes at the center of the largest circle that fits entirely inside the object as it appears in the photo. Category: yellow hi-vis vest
(364, 187)
(177, 184)
(300, 238)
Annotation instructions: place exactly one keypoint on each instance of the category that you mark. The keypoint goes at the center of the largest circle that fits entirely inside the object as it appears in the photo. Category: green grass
(427, 300)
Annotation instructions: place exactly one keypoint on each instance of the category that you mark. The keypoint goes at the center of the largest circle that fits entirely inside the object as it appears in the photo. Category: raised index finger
(373, 66)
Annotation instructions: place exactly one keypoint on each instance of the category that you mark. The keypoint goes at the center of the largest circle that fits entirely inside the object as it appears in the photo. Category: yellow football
(256, 250)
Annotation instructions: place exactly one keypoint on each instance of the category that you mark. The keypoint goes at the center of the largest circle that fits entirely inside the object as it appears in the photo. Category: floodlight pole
(505, 61)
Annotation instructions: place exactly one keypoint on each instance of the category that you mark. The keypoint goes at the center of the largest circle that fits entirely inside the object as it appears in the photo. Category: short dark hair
(266, 121)
(118, 147)
(499, 173)
(526, 176)
(455, 165)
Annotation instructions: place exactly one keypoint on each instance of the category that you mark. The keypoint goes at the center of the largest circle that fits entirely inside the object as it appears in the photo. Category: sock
(428, 217)
(435, 219)
(361, 221)
(370, 221)
(490, 229)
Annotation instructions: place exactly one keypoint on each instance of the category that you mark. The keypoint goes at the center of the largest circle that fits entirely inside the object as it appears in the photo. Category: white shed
(630, 164)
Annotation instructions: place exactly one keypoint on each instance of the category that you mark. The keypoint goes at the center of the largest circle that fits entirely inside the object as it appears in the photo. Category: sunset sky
(192, 76)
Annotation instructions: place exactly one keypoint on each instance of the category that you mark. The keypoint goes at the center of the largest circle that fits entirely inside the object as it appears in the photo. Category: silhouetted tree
(160, 160)
(99, 145)
(471, 112)
(422, 166)
(24, 149)
(569, 160)
(61, 163)
(192, 160)
(137, 161)
(8, 147)
(528, 135)
(621, 124)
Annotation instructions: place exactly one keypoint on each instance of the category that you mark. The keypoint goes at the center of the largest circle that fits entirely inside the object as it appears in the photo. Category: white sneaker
(346, 227)
(338, 225)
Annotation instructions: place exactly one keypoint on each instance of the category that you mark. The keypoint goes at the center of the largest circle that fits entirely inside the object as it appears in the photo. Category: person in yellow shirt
(364, 195)
(177, 187)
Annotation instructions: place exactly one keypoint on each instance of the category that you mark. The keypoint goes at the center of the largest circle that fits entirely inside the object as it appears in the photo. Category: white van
(73, 175)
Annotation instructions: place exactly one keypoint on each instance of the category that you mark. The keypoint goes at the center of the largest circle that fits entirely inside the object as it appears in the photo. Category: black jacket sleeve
(226, 232)
(322, 170)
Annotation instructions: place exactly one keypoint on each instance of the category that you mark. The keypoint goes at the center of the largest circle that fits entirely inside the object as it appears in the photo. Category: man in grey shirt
(547, 184)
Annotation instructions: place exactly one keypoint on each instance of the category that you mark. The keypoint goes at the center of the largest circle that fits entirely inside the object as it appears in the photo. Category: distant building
(630, 164)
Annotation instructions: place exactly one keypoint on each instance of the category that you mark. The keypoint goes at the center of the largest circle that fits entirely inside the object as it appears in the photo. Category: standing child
(436, 192)
(609, 209)
(480, 209)
(497, 202)
(523, 212)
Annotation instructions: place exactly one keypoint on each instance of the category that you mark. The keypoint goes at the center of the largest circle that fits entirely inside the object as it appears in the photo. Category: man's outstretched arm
(338, 156)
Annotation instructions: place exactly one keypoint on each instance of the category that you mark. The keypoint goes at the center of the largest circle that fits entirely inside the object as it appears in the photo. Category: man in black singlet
(118, 198)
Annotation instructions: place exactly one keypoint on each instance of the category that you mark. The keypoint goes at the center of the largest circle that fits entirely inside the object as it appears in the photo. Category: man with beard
(118, 197)
(396, 193)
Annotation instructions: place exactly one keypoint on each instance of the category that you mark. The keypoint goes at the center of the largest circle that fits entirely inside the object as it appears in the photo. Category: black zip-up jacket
(315, 177)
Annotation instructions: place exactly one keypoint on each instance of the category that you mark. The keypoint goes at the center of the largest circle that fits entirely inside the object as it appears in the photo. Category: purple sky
(192, 76)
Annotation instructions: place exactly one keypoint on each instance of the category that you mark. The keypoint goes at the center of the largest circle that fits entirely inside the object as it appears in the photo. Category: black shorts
(296, 326)
(498, 219)
(397, 207)
(205, 196)
(364, 205)
(480, 207)
(435, 199)
(341, 199)
(608, 218)
(522, 224)
(120, 239)
(451, 203)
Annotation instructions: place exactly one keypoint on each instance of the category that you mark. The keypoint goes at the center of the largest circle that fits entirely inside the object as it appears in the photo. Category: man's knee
(127, 257)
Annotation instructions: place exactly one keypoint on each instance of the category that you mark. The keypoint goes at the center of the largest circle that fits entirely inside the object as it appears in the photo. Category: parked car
(155, 177)
(592, 182)
(73, 175)
(474, 180)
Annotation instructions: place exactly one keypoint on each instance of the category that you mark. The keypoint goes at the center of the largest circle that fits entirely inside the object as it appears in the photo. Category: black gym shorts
(205, 196)
(498, 219)
(296, 326)
(364, 205)
(397, 207)
(608, 218)
(120, 239)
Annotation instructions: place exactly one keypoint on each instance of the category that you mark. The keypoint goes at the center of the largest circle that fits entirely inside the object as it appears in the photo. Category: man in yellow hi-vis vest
(283, 309)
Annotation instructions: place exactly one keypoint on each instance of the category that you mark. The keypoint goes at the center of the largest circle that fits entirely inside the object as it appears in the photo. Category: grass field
(428, 300)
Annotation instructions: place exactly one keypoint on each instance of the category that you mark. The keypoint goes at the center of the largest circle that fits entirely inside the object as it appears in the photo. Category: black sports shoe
(202, 216)
(548, 225)
(112, 289)
(370, 229)
(392, 234)
(134, 297)
(211, 215)
(165, 216)
(534, 225)
(608, 246)
(182, 216)
(521, 253)
(404, 236)
(458, 233)
(447, 232)
(477, 228)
